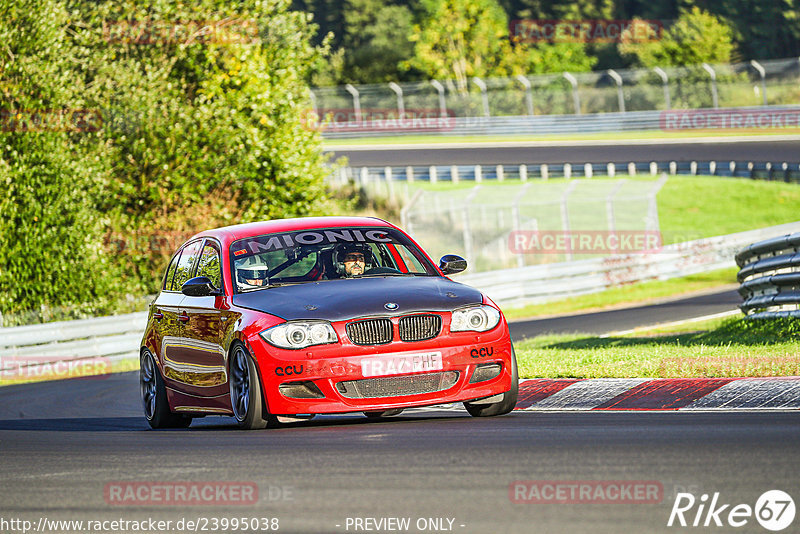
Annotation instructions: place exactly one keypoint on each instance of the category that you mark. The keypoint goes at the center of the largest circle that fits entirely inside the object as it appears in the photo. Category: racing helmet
(344, 249)
(252, 272)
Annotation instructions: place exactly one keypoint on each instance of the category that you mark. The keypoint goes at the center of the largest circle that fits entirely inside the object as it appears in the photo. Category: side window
(412, 263)
(209, 265)
(168, 285)
(186, 263)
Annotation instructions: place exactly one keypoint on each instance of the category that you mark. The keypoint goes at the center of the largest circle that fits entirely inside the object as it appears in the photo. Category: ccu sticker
(289, 370)
(483, 352)
(393, 364)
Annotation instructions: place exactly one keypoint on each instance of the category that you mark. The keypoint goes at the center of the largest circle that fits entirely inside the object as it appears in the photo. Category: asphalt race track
(621, 151)
(64, 444)
(628, 318)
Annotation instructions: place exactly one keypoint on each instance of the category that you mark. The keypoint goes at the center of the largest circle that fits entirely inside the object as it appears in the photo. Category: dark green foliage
(199, 121)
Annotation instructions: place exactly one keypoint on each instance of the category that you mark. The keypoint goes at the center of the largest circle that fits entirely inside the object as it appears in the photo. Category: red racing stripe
(532, 391)
(664, 394)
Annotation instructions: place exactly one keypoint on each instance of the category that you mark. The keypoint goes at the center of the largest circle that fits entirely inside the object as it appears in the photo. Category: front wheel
(509, 398)
(246, 399)
(154, 396)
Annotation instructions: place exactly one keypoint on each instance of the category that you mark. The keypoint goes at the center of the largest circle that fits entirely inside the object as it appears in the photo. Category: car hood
(338, 300)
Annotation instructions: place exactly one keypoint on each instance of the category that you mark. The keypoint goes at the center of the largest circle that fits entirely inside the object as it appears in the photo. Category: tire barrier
(769, 274)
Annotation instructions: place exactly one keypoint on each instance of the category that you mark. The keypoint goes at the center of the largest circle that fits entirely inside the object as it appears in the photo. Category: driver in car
(251, 276)
(352, 261)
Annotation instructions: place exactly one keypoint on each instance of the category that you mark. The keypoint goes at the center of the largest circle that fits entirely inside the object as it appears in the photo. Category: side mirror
(199, 286)
(452, 264)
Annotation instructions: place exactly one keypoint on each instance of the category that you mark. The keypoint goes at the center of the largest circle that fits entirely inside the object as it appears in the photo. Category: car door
(174, 318)
(167, 329)
(202, 355)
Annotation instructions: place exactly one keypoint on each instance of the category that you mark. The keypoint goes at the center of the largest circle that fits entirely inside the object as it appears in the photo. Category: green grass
(639, 293)
(692, 207)
(644, 134)
(728, 348)
(45, 372)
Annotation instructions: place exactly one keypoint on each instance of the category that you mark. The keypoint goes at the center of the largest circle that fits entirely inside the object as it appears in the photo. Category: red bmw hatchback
(299, 317)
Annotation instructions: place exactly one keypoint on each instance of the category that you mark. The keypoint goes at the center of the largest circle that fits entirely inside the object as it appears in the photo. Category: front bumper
(354, 378)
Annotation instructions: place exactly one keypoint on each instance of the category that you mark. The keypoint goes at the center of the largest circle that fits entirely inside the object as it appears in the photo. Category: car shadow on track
(137, 424)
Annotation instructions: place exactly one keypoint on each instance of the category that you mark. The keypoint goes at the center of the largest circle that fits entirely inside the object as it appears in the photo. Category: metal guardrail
(540, 125)
(770, 277)
(112, 338)
(757, 170)
(540, 283)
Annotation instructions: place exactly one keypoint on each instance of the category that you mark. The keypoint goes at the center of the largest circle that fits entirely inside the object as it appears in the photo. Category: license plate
(400, 365)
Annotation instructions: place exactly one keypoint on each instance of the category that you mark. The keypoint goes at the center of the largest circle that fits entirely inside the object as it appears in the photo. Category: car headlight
(300, 334)
(478, 319)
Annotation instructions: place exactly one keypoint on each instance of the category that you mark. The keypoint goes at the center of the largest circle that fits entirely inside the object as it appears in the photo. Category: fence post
(631, 168)
(478, 174)
(576, 99)
(387, 174)
(544, 171)
(761, 72)
(713, 75)
(653, 168)
(620, 95)
(484, 95)
(467, 231)
(313, 98)
(454, 174)
(611, 170)
(523, 173)
(364, 176)
(693, 168)
(500, 173)
(588, 171)
(433, 174)
(567, 171)
(516, 220)
(565, 216)
(356, 101)
(410, 174)
(610, 219)
(526, 83)
(665, 81)
(442, 105)
(401, 107)
(673, 168)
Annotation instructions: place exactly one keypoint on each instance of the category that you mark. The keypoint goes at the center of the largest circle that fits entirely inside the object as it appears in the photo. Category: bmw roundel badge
(390, 306)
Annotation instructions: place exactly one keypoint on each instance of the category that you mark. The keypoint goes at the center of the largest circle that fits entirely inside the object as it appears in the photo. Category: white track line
(729, 313)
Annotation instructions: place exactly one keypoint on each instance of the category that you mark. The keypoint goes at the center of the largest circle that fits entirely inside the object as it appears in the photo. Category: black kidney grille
(370, 331)
(420, 327)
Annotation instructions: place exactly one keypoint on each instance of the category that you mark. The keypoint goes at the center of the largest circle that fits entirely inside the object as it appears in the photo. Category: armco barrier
(111, 338)
(540, 283)
(543, 125)
(770, 277)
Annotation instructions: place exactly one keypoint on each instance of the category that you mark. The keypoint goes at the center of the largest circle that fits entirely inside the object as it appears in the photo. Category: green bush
(198, 121)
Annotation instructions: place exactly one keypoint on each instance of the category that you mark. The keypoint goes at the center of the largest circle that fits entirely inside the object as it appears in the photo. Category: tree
(376, 40)
(461, 39)
(697, 37)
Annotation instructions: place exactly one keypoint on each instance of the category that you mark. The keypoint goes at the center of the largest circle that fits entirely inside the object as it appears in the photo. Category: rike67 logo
(774, 510)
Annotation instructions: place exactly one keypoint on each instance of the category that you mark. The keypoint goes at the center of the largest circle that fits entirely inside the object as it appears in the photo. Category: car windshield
(324, 254)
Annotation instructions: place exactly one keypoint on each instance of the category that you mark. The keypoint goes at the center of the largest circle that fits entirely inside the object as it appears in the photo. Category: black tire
(154, 396)
(376, 414)
(509, 397)
(245, 390)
